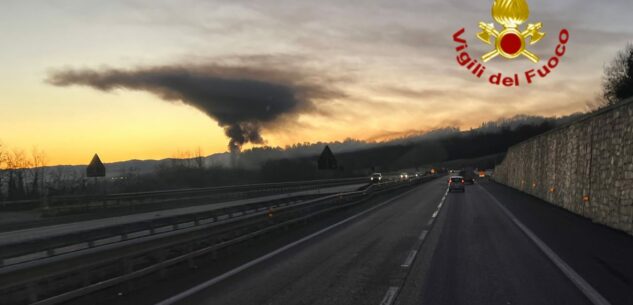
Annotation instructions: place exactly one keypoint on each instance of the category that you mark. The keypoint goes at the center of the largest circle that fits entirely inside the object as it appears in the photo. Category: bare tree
(617, 83)
(16, 164)
(37, 170)
(3, 168)
(198, 158)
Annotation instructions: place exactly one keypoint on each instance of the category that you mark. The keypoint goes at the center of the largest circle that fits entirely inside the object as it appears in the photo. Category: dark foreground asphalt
(355, 264)
(476, 255)
(406, 252)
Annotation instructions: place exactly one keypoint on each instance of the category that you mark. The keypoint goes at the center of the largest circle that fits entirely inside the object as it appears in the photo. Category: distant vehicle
(468, 174)
(376, 177)
(404, 176)
(456, 183)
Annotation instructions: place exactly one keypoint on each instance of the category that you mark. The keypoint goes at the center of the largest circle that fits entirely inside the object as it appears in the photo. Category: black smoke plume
(242, 100)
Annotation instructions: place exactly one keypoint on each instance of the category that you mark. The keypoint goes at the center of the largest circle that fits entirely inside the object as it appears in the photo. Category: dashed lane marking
(392, 293)
(390, 296)
(189, 292)
(423, 235)
(409, 260)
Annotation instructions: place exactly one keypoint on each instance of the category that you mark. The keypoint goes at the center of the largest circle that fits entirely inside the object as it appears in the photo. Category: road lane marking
(392, 293)
(592, 294)
(423, 235)
(390, 296)
(193, 290)
(409, 260)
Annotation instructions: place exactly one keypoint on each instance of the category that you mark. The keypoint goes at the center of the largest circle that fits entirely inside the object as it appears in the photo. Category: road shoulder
(599, 254)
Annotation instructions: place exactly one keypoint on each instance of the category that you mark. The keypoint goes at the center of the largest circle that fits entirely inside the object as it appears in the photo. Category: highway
(60, 229)
(423, 246)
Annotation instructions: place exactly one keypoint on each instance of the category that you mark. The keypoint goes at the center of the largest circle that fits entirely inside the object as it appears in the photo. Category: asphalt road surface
(489, 245)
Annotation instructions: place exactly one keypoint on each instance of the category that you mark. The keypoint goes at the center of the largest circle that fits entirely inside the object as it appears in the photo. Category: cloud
(399, 53)
(242, 99)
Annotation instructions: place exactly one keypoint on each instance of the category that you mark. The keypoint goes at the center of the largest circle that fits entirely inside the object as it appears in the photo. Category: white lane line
(423, 235)
(592, 294)
(435, 214)
(409, 260)
(191, 291)
(430, 222)
(390, 296)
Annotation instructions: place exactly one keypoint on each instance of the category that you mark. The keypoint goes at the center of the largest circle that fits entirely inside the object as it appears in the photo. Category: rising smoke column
(239, 99)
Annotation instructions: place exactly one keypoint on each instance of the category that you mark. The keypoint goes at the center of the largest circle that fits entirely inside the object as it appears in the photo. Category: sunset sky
(80, 77)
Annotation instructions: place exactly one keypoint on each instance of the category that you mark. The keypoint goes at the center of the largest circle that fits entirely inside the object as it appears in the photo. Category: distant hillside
(491, 139)
(437, 145)
(484, 145)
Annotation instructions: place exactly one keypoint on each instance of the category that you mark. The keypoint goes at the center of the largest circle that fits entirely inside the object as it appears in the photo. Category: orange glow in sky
(394, 63)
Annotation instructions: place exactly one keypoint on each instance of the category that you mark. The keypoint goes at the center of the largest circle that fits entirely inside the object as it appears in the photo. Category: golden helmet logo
(510, 42)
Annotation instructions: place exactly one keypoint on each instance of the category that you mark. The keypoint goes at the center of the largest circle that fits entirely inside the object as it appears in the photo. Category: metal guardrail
(40, 248)
(82, 203)
(96, 269)
(17, 205)
(120, 199)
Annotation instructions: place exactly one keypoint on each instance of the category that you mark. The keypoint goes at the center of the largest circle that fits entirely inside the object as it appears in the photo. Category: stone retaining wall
(585, 167)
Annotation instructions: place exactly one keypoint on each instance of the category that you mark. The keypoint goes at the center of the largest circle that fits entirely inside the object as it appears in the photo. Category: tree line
(25, 175)
(22, 174)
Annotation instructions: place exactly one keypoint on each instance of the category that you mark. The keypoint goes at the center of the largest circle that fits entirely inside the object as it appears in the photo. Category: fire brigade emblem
(511, 41)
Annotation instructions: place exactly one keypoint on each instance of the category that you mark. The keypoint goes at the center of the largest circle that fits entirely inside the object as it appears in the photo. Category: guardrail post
(45, 202)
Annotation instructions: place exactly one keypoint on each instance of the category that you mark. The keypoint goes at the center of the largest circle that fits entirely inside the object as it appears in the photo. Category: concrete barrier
(585, 167)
